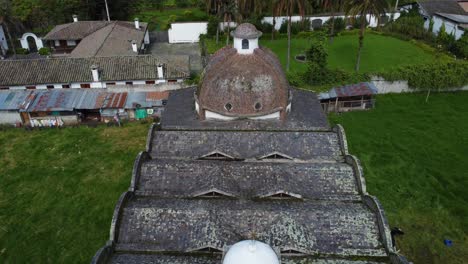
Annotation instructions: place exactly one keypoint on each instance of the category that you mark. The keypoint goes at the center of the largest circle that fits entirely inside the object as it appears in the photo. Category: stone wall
(401, 86)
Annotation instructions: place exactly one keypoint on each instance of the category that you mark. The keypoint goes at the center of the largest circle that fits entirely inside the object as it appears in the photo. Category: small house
(52, 108)
(99, 38)
(349, 98)
(95, 72)
(12, 106)
(141, 105)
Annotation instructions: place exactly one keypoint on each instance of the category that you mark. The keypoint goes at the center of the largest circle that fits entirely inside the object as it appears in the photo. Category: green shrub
(438, 75)
(409, 26)
(338, 26)
(212, 27)
(445, 39)
(182, 3)
(296, 27)
(318, 73)
(460, 48)
(22, 51)
(44, 51)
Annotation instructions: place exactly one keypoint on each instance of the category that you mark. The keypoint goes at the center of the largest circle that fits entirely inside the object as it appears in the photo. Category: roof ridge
(104, 41)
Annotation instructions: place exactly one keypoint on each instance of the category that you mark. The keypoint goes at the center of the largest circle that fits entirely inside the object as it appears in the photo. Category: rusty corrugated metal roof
(115, 100)
(156, 96)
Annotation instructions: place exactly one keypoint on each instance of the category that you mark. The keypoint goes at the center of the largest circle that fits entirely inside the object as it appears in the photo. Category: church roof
(306, 114)
(246, 31)
(252, 85)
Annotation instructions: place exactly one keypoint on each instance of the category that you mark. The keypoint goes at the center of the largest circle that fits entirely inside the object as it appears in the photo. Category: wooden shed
(349, 98)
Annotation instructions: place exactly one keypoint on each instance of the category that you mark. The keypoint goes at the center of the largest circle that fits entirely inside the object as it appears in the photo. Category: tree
(359, 9)
(332, 6)
(289, 6)
(5, 14)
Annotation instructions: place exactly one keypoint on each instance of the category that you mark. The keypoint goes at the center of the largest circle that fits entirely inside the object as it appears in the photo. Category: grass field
(58, 188)
(414, 156)
(379, 53)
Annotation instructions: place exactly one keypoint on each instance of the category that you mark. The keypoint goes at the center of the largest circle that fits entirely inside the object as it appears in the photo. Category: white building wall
(71, 43)
(214, 116)
(284, 19)
(75, 85)
(147, 38)
(253, 44)
(24, 41)
(450, 27)
(275, 115)
(224, 25)
(98, 85)
(10, 117)
(3, 40)
(187, 32)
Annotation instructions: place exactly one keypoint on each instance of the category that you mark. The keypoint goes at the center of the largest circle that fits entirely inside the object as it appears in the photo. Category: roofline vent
(134, 46)
(137, 23)
(160, 71)
(75, 18)
(95, 72)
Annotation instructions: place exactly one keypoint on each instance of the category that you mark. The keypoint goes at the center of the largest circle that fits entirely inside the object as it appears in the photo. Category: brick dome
(243, 86)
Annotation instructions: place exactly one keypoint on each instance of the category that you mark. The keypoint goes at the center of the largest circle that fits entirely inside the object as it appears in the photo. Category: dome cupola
(243, 82)
(246, 38)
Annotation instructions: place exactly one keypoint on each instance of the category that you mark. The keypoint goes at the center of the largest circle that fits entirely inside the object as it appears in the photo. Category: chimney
(75, 18)
(134, 46)
(95, 71)
(160, 71)
(137, 23)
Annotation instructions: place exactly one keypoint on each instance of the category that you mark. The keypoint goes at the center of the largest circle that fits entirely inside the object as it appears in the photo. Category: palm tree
(228, 10)
(274, 4)
(332, 6)
(302, 6)
(359, 9)
(5, 15)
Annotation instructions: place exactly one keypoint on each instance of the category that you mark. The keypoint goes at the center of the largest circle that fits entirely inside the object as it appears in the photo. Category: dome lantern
(244, 83)
(246, 38)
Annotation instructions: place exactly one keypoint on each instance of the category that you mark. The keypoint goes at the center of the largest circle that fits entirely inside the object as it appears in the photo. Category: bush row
(439, 75)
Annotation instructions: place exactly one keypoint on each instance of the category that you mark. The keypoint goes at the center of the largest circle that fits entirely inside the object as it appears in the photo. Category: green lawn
(415, 159)
(379, 53)
(58, 190)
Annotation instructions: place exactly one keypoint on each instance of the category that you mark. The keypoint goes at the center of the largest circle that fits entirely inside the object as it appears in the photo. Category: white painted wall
(224, 25)
(253, 44)
(215, 116)
(10, 117)
(284, 19)
(71, 43)
(275, 115)
(187, 32)
(450, 27)
(3, 40)
(25, 44)
(147, 38)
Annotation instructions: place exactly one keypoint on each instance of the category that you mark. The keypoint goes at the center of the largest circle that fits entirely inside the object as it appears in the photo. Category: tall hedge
(439, 75)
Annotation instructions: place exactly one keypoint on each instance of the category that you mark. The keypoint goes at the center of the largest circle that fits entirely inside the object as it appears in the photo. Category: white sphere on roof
(250, 252)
